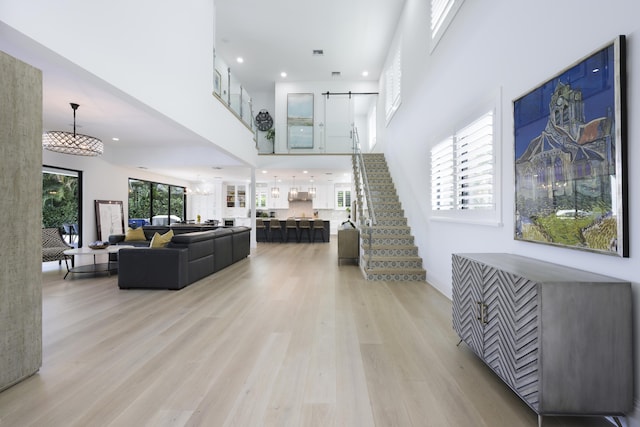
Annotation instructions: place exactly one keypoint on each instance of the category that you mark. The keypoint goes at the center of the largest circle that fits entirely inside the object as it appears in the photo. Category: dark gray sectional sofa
(187, 258)
(150, 230)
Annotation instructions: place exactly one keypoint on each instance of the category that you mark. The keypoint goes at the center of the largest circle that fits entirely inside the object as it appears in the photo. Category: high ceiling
(271, 36)
(280, 35)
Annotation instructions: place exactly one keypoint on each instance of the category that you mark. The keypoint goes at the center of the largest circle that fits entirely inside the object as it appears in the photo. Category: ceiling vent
(318, 52)
(335, 74)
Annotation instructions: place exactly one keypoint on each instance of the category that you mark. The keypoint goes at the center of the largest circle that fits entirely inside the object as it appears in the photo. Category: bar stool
(290, 226)
(317, 225)
(305, 225)
(261, 226)
(274, 227)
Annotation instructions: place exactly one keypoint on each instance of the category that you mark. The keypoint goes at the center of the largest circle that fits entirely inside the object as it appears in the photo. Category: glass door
(61, 202)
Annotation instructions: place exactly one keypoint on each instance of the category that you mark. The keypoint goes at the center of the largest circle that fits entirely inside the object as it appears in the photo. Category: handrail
(230, 92)
(368, 213)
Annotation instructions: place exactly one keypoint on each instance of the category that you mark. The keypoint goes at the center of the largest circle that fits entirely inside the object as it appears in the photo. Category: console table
(561, 338)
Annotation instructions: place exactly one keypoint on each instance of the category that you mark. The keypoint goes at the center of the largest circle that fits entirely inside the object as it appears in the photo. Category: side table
(107, 267)
(349, 245)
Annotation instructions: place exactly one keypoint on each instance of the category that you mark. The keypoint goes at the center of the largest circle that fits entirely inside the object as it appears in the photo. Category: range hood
(302, 196)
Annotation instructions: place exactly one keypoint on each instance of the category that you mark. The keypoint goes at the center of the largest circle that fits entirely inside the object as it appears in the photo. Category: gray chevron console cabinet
(561, 338)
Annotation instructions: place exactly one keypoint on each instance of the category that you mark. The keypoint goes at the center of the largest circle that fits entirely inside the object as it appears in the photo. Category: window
(61, 201)
(442, 13)
(154, 203)
(372, 127)
(393, 84)
(261, 195)
(442, 175)
(463, 167)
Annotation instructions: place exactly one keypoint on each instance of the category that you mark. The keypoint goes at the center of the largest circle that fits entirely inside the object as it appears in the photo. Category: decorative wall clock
(264, 121)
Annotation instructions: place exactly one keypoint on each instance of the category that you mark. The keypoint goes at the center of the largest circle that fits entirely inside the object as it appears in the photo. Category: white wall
(508, 46)
(154, 66)
(317, 88)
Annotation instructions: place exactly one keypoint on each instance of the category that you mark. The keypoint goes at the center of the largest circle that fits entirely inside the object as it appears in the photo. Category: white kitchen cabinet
(324, 197)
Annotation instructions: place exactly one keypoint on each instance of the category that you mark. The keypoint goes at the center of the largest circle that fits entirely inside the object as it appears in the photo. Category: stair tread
(394, 258)
(395, 270)
(386, 246)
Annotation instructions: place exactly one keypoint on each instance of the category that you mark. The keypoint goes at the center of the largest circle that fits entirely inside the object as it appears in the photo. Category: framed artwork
(300, 120)
(217, 82)
(109, 218)
(570, 156)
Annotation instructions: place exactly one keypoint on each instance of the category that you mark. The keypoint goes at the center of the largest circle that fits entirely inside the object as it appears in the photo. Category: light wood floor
(284, 338)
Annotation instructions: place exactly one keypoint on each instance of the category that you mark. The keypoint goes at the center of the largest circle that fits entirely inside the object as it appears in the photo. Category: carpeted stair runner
(393, 253)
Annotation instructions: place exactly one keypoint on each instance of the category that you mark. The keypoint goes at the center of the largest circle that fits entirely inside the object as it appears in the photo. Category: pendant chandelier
(275, 191)
(293, 191)
(312, 189)
(72, 143)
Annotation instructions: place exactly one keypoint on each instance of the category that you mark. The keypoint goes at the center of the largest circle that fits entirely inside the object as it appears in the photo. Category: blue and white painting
(300, 120)
(568, 157)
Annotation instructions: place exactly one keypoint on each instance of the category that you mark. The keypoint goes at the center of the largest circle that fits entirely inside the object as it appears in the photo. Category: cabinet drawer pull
(482, 312)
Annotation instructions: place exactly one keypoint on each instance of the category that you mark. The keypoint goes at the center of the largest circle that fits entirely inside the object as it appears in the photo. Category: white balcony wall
(168, 66)
(324, 120)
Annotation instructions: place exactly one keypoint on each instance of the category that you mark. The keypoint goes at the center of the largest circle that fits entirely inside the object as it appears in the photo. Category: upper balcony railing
(230, 92)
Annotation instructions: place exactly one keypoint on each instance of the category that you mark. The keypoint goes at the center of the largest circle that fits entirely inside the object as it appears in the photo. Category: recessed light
(240, 59)
(283, 74)
(305, 171)
(115, 139)
(264, 171)
(365, 73)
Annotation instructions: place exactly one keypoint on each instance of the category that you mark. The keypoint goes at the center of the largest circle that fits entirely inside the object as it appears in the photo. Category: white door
(338, 124)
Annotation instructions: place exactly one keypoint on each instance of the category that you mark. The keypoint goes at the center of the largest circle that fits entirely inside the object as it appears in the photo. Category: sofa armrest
(157, 268)
(114, 239)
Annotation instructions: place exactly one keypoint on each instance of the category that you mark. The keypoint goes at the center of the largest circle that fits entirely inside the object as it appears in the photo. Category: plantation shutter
(442, 175)
(474, 171)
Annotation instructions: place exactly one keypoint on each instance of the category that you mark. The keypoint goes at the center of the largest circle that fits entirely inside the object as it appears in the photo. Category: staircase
(392, 254)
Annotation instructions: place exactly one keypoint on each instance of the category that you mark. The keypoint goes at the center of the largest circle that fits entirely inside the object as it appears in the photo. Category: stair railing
(367, 212)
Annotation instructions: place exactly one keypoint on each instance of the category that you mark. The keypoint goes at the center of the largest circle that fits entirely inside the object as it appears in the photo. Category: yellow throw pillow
(161, 240)
(134, 234)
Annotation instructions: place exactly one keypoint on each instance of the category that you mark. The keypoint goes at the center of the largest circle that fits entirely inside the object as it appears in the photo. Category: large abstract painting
(109, 218)
(570, 143)
(300, 120)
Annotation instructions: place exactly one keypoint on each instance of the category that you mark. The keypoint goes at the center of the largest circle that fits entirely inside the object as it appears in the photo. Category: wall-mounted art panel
(570, 143)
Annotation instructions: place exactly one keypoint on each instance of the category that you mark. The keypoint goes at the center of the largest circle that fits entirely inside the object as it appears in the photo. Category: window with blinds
(474, 164)
(442, 13)
(463, 168)
(393, 84)
(442, 185)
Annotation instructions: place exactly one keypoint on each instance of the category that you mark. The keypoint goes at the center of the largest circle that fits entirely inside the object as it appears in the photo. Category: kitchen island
(302, 234)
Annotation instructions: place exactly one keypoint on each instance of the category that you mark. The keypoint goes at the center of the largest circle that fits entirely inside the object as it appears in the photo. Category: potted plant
(271, 135)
